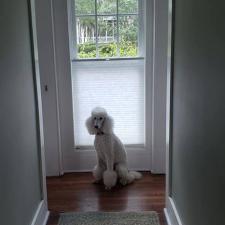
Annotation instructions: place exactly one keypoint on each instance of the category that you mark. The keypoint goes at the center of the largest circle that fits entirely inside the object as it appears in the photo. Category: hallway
(76, 192)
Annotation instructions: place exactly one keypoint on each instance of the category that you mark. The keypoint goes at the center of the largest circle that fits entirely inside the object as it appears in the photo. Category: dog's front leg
(109, 176)
(98, 170)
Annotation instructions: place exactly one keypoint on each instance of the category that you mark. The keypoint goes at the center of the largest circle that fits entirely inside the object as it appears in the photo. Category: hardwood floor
(76, 192)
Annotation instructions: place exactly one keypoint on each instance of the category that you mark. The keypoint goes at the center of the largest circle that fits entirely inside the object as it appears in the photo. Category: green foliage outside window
(107, 28)
(88, 50)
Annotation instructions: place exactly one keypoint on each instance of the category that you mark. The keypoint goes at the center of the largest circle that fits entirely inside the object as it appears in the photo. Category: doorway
(69, 157)
(150, 79)
(75, 192)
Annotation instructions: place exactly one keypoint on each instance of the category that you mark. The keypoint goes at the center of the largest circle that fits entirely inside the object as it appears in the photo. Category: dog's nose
(96, 126)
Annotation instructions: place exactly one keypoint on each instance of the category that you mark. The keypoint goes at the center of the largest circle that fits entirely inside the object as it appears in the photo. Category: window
(108, 69)
(118, 86)
(107, 29)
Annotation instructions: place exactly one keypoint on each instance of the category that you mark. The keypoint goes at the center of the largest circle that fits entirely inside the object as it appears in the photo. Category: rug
(109, 218)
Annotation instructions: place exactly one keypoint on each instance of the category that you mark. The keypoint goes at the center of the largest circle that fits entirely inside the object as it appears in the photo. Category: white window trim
(141, 56)
(73, 35)
(69, 156)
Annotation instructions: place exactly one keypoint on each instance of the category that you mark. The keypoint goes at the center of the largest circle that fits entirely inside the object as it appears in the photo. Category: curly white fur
(111, 154)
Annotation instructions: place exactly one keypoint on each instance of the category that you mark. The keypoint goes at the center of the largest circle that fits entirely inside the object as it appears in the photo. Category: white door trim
(169, 104)
(57, 92)
(171, 213)
(42, 213)
(156, 140)
(159, 80)
(62, 75)
(68, 152)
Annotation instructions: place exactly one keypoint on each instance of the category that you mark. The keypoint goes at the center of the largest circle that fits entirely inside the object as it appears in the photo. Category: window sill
(107, 59)
(127, 147)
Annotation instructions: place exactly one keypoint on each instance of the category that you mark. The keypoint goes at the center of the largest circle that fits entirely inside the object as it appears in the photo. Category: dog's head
(99, 122)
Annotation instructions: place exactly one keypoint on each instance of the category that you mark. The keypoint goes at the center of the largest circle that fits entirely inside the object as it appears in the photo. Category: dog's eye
(100, 118)
(95, 118)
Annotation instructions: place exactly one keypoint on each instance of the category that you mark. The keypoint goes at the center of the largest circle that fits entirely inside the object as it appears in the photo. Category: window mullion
(116, 15)
(140, 31)
(96, 30)
(108, 14)
(117, 26)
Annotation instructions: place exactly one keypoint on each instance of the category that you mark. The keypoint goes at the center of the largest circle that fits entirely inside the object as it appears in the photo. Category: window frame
(130, 147)
(73, 34)
(141, 56)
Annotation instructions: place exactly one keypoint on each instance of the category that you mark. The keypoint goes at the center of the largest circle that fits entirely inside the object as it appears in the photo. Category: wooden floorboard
(76, 192)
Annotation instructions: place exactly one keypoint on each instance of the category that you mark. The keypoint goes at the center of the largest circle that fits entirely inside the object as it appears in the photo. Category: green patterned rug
(109, 218)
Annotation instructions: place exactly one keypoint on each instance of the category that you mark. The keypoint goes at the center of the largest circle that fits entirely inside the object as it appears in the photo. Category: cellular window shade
(118, 86)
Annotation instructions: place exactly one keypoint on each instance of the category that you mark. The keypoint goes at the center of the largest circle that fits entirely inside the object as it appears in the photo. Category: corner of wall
(41, 215)
(171, 213)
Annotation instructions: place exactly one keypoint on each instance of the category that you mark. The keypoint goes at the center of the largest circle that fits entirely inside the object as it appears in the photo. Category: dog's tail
(135, 175)
(126, 176)
(131, 177)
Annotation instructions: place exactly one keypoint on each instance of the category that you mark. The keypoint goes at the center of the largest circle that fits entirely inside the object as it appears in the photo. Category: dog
(111, 155)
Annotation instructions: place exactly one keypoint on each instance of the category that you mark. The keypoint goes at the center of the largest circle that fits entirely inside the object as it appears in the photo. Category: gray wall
(198, 143)
(20, 188)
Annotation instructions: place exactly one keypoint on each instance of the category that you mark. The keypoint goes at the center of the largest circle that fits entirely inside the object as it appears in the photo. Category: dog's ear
(108, 125)
(90, 125)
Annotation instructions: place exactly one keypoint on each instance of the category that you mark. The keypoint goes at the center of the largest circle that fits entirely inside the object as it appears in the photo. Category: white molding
(142, 27)
(87, 160)
(142, 169)
(57, 91)
(171, 213)
(156, 148)
(148, 39)
(167, 217)
(63, 79)
(159, 82)
(72, 29)
(168, 103)
(41, 215)
(39, 104)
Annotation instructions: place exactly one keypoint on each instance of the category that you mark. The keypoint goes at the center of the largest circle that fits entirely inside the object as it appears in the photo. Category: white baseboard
(167, 217)
(41, 215)
(84, 160)
(171, 213)
(90, 170)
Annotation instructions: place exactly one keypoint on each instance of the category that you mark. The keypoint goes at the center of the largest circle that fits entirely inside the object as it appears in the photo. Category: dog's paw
(123, 182)
(109, 179)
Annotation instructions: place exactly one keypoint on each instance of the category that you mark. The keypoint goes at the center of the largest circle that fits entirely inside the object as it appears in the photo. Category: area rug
(109, 218)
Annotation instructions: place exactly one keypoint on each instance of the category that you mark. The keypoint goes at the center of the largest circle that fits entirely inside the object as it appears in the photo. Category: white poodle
(111, 154)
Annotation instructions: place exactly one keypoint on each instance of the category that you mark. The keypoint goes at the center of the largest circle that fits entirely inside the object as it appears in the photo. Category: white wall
(159, 97)
(48, 77)
(53, 46)
(63, 66)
